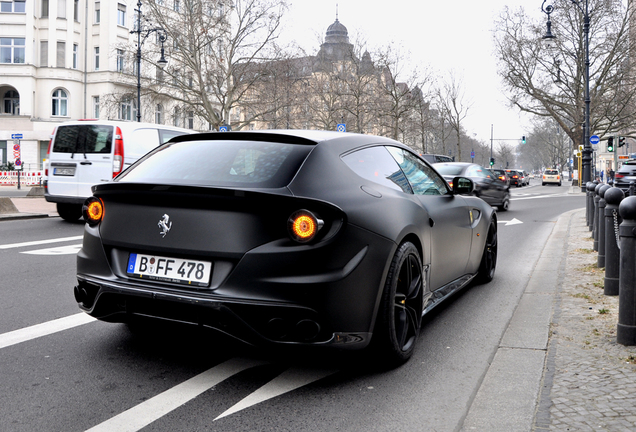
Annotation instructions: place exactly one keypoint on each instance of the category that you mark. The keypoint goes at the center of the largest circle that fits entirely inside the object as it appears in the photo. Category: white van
(87, 152)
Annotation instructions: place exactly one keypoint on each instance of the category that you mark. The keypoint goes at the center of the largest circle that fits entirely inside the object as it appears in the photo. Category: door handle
(86, 163)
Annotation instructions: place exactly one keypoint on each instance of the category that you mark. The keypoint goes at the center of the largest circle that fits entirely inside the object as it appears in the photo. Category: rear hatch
(81, 156)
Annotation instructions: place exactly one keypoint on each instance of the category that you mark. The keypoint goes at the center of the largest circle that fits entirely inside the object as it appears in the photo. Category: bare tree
(551, 84)
(215, 49)
(453, 106)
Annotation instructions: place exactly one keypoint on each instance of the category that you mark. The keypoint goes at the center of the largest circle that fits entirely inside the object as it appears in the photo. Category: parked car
(502, 175)
(625, 175)
(436, 158)
(551, 176)
(84, 153)
(516, 179)
(285, 238)
(487, 185)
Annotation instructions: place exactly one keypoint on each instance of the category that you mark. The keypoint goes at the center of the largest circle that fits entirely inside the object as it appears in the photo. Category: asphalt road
(76, 374)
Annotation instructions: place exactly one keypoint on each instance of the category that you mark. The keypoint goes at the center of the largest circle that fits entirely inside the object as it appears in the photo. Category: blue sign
(224, 128)
(594, 139)
(342, 127)
(472, 155)
(16, 136)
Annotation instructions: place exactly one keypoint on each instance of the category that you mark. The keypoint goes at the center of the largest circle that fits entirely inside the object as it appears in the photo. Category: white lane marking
(60, 250)
(40, 242)
(514, 221)
(44, 329)
(147, 412)
(289, 380)
(543, 196)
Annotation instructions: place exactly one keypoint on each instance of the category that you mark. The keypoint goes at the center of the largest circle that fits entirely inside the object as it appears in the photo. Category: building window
(159, 114)
(96, 58)
(11, 102)
(176, 5)
(76, 10)
(175, 119)
(98, 16)
(190, 120)
(121, 15)
(120, 60)
(44, 53)
(96, 107)
(75, 54)
(44, 13)
(159, 74)
(160, 2)
(61, 54)
(11, 50)
(16, 6)
(60, 103)
(61, 8)
(125, 111)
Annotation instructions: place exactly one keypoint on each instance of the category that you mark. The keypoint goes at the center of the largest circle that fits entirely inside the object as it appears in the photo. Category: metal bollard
(626, 331)
(597, 198)
(590, 203)
(632, 189)
(613, 197)
(601, 226)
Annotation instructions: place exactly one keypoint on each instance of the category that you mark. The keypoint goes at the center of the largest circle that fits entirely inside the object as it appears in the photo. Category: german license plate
(176, 270)
(64, 171)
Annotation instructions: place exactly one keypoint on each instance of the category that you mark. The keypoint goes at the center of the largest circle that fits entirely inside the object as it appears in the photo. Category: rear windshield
(220, 163)
(83, 139)
(449, 170)
(551, 172)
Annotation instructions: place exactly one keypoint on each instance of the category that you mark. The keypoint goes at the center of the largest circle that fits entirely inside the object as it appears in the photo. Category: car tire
(559, 184)
(542, 184)
(505, 204)
(69, 212)
(488, 263)
(399, 319)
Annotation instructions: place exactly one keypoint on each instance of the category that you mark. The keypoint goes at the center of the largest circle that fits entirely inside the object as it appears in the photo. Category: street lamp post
(140, 40)
(586, 158)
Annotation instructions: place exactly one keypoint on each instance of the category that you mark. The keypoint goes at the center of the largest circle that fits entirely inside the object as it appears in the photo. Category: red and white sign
(17, 157)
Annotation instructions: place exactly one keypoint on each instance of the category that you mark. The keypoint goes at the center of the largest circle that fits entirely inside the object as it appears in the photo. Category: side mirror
(463, 186)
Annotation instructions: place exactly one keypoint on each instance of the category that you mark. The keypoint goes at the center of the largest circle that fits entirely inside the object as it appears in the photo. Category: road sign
(472, 155)
(342, 127)
(594, 139)
(16, 136)
(224, 128)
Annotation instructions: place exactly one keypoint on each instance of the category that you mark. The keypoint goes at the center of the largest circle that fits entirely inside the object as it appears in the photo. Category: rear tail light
(118, 159)
(303, 226)
(558, 177)
(48, 154)
(617, 175)
(93, 210)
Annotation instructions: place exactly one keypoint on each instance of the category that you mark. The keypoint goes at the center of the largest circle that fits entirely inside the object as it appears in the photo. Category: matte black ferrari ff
(284, 237)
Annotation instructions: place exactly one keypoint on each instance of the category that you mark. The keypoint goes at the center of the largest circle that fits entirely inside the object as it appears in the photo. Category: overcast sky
(438, 34)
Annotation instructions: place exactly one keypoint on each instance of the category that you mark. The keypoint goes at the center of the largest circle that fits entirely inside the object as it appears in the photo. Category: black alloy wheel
(489, 257)
(400, 318)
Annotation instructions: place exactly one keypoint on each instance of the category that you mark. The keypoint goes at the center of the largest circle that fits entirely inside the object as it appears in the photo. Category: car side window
(423, 179)
(376, 164)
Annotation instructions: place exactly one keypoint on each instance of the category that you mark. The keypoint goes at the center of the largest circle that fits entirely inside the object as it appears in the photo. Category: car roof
(343, 141)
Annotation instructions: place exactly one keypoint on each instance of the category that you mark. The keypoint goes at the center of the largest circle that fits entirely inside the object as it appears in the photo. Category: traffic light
(523, 139)
(492, 161)
(621, 141)
(610, 144)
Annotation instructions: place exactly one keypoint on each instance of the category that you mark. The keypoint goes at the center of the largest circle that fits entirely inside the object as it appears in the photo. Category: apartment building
(59, 60)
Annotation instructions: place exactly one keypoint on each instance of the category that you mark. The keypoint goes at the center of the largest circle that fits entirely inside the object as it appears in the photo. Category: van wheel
(69, 212)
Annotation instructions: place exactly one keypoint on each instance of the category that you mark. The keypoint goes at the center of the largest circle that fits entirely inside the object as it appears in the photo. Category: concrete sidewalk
(29, 204)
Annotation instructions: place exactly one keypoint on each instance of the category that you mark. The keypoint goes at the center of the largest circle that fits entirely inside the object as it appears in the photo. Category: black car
(516, 178)
(487, 185)
(625, 175)
(502, 175)
(284, 237)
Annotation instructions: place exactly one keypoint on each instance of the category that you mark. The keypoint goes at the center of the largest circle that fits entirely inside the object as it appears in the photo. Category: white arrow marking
(60, 250)
(514, 221)
(289, 380)
(145, 413)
